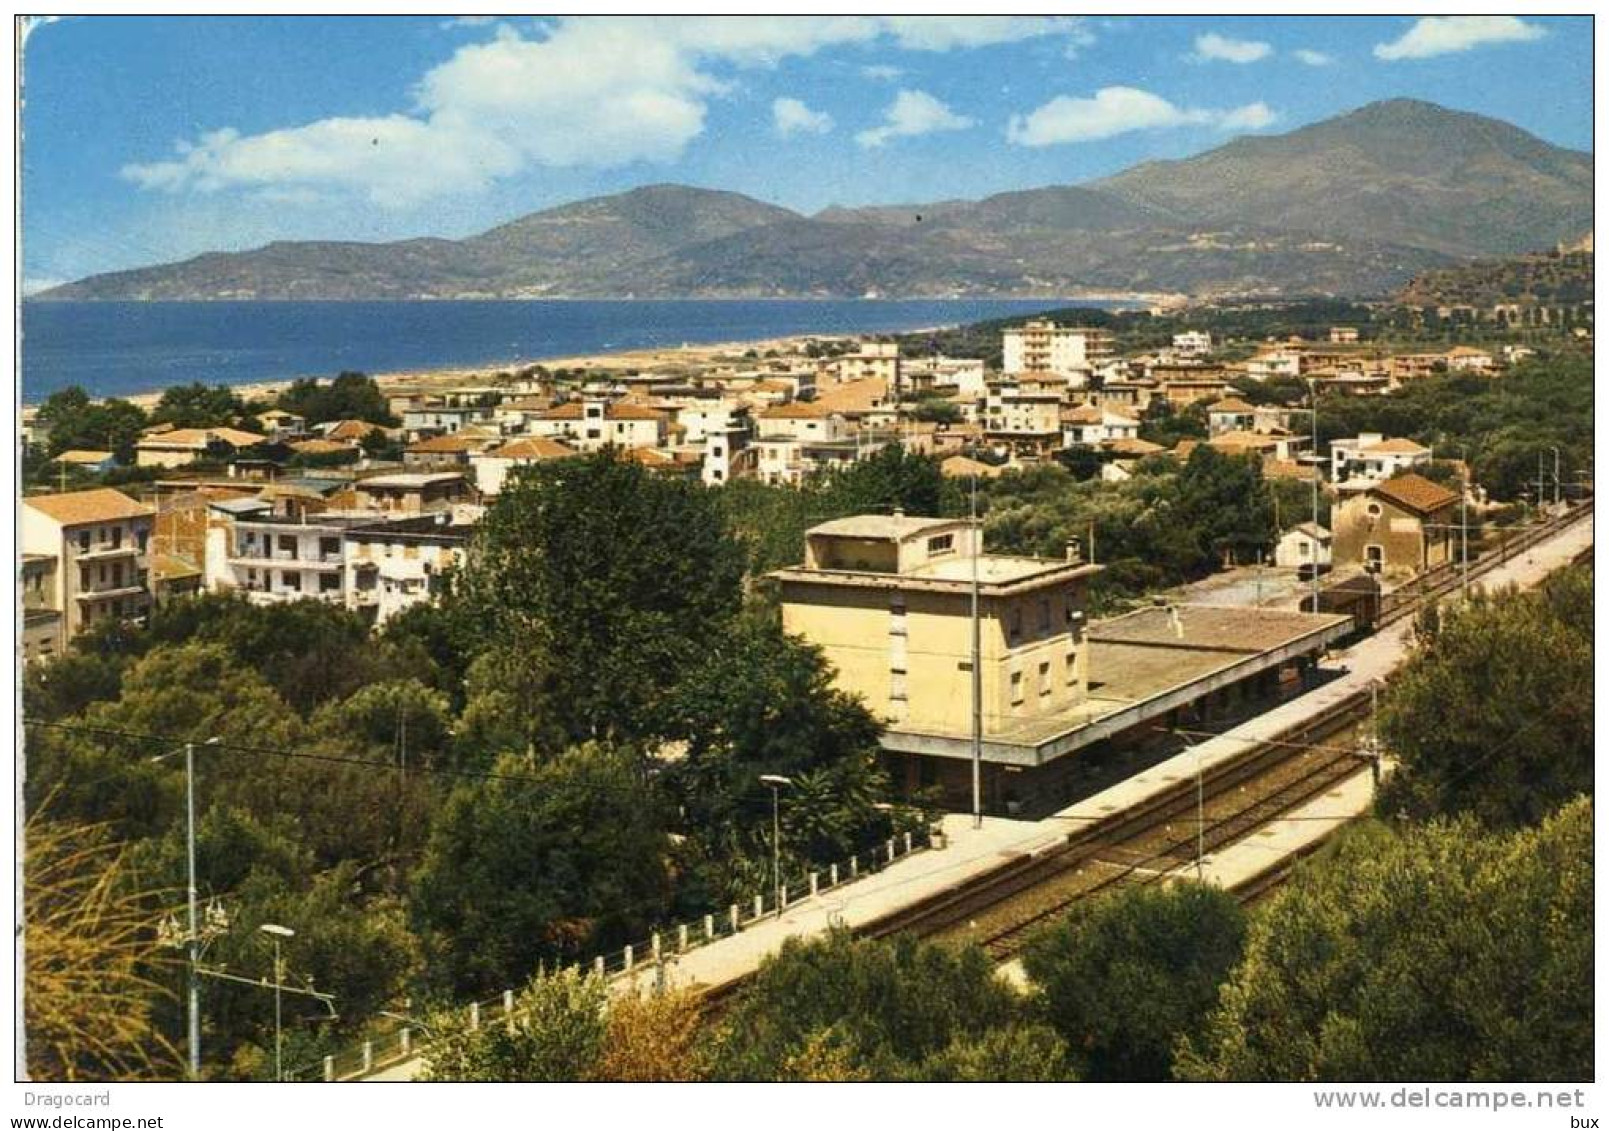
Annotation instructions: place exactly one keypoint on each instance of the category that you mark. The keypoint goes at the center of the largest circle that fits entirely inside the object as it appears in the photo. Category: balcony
(110, 594)
(107, 552)
(265, 559)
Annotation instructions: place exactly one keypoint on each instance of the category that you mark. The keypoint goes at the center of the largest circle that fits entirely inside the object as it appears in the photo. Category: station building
(888, 600)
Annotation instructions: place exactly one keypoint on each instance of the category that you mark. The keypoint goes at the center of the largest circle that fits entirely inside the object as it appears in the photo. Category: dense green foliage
(632, 573)
(1492, 715)
(199, 406)
(900, 1010)
(1504, 424)
(1124, 976)
(71, 420)
(1431, 952)
(556, 861)
(349, 396)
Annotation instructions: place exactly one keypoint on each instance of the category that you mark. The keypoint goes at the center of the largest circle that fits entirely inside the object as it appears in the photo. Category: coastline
(449, 376)
(626, 358)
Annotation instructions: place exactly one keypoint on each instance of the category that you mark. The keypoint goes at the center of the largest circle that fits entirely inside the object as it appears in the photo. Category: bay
(123, 348)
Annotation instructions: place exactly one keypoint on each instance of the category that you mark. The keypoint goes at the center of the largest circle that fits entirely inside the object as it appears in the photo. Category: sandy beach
(629, 360)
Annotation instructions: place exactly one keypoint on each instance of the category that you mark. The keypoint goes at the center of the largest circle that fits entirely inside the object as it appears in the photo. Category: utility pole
(1541, 486)
(977, 668)
(1557, 486)
(1312, 387)
(1463, 522)
(1201, 818)
(194, 1025)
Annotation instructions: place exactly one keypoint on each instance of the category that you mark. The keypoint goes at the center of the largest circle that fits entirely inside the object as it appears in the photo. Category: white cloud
(1213, 46)
(1119, 110)
(791, 116)
(457, 22)
(599, 91)
(1252, 116)
(1445, 35)
(882, 72)
(912, 113)
(1313, 58)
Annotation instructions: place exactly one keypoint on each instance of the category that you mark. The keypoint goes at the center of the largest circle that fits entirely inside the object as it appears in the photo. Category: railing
(404, 1039)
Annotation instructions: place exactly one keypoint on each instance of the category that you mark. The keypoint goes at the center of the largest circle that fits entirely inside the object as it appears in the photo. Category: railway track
(1143, 844)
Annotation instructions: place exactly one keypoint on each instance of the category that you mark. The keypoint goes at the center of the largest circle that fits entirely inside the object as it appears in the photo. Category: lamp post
(977, 668)
(1312, 400)
(194, 936)
(1557, 486)
(278, 933)
(776, 782)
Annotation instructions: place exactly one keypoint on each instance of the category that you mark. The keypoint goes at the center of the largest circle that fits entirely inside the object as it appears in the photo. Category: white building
(99, 540)
(1303, 544)
(1070, 352)
(492, 467)
(1230, 415)
(595, 422)
(873, 361)
(802, 420)
(1274, 363)
(727, 454)
(1095, 424)
(1192, 343)
(274, 555)
(391, 566)
(1373, 457)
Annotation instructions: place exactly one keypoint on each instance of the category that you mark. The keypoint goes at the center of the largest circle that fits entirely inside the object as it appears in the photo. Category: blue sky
(148, 139)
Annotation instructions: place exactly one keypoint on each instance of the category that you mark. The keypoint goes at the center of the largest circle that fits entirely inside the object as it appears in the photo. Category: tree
(198, 406)
(72, 420)
(540, 863)
(846, 1006)
(92, 968)
(891, 479)
(350, 396)
(1225, 499)
(652, 1038)
(1081, 461)
(558, 1034)
(609, 580)
(763, 703)
(1433, 952)
(1492, 715)
(936, 410)
(1162, 952)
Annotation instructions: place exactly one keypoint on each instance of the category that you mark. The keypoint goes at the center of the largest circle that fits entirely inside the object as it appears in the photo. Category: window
(1016, 689)
(251, 578)
(287, 545)
(1014, 627)
(329, 583)
(1072, 668)
(1373, 510)
(116, 534)
(942, 544)
(715, 451)
(292, 580)
(142, 537)
(1302, 549)
(85, 579)
(1044, 615)
(83, 541)
(1044, 679)
(329, 548)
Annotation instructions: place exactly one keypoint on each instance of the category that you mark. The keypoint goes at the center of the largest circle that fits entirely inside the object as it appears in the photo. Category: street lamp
(194, 935)
(1557, 486)
(278, 933)
(776, 782)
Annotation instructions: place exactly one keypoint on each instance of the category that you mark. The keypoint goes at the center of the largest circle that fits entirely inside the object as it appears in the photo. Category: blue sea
(121, 348)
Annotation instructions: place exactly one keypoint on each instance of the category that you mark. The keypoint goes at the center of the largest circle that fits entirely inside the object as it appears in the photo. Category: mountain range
(1353, 205)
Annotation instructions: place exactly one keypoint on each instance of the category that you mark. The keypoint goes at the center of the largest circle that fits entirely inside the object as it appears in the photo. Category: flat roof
(407, 480)
(1140, 668)
(992, 568)
(881, 526)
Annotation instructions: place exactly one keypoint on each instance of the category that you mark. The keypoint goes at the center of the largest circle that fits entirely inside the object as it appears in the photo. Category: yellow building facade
(888, 599)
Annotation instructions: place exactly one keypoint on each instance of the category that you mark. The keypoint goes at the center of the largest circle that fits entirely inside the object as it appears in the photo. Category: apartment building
(1071, 352)
(493, 466)
(99, 541)
(1371, 456)
(392, 566)
(888, 600)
